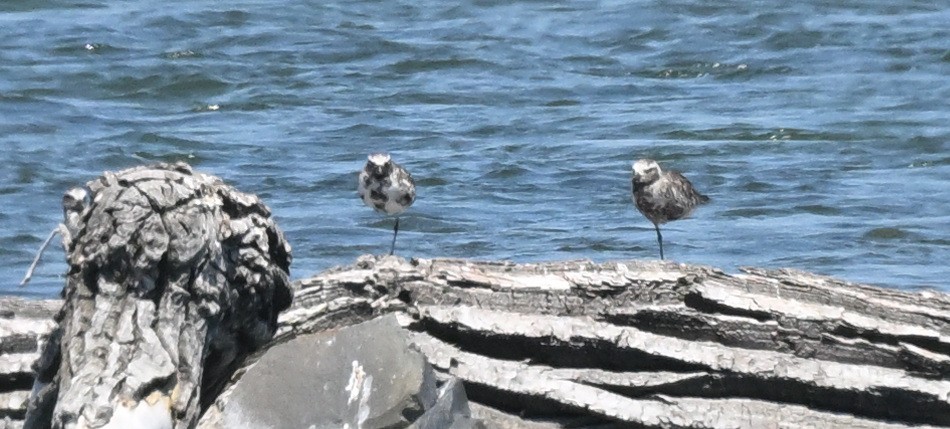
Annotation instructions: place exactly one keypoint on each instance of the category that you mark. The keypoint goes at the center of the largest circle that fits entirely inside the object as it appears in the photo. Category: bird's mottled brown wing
(408, 184)
(688, 192)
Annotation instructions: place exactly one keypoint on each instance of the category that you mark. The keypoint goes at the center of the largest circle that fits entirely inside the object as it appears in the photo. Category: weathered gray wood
(173, 278)
(8, 423)
(24, 325)
(593, 391)
(653, 344)
(695, 345)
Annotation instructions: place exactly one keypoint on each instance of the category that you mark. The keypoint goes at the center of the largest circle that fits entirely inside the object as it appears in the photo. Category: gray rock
(363, 376)
(450, 411)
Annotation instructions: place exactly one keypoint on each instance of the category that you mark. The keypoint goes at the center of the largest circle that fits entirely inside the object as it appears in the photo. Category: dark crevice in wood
(236, 209)
(16, 381)
(883, 404)
(159, 207)
(405, 296)
(13, 414)
(162, 384)
(278, 253)
(466, 284)
(528, 406)
(50, 357)
(787, 339)
(681, 325)
(925, 368)
(90, 278)
(163, 278)
(585, 353)
(928, 343)
(698, 302)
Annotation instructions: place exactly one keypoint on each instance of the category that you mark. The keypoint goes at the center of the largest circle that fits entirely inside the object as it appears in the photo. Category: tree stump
(174, 277)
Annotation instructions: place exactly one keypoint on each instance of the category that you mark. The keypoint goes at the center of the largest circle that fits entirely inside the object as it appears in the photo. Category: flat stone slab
(364, 376)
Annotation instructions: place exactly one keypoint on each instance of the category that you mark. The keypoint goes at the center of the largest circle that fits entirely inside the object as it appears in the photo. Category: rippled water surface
(820, 131)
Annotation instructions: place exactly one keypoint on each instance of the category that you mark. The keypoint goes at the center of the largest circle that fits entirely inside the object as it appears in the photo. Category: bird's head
(379, 164)
(646, 171)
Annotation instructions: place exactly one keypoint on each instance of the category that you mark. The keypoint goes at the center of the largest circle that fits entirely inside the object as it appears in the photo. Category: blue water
(820, 131)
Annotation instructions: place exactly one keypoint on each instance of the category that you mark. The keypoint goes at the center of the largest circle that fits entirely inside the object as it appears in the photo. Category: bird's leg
(395, 232)
(659, 239)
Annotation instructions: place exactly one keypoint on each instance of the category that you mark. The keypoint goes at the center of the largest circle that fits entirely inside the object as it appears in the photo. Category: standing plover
(387, 188)
(663, 196)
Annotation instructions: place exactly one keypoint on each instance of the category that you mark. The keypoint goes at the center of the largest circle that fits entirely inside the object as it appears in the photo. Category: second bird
(386, 187)
(663, 196)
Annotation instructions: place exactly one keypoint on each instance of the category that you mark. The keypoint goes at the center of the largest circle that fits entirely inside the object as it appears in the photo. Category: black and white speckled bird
(386, 187)
(663, 196)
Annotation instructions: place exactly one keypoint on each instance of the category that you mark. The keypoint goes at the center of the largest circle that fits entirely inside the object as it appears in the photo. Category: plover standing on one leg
(387, 188)
(663, 196)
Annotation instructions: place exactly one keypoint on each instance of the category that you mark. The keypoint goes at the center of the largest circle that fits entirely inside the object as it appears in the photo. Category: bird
(387, 188)
(663, 196)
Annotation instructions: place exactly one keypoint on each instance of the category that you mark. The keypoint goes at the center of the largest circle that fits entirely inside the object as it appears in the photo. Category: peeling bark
(173, 278)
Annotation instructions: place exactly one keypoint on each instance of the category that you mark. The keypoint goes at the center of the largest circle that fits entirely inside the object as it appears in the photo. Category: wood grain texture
(660, 344)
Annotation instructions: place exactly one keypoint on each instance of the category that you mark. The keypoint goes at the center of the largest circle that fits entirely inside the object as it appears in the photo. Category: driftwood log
(174, 277)
(551, 345)
(647, 344)
(657, 344)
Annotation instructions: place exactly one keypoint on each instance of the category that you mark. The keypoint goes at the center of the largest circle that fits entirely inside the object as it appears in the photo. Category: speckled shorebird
(387, 188)
(663, 196)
